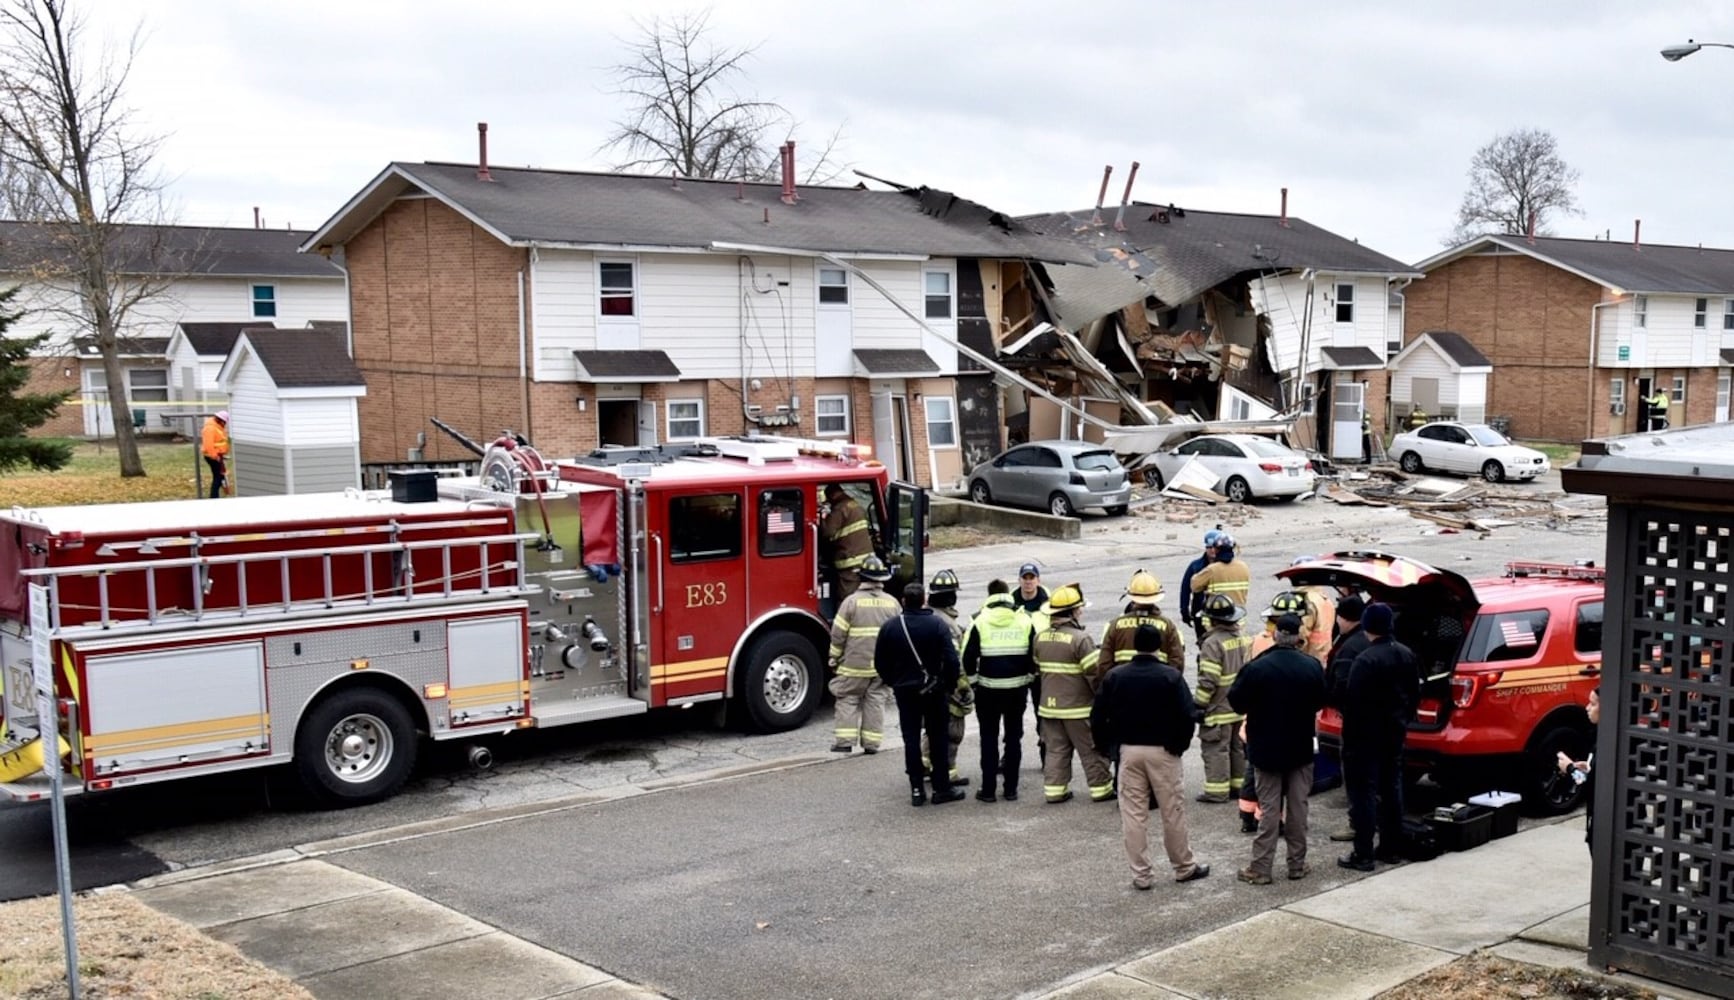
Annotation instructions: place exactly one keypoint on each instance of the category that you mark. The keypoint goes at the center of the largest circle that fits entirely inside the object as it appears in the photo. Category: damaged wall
(978, 414)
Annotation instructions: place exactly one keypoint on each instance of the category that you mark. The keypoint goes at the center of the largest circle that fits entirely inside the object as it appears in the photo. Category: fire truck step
(565, 712)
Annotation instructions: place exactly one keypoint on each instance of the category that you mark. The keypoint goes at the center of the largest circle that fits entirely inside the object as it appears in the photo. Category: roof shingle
(1617, 264)
(626, 366)
(1458, 348)
(197, 251)
(217, 339)
(896, 361)
(304, 359)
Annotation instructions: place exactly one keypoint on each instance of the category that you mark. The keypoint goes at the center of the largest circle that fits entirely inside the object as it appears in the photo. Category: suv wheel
(1546, 792)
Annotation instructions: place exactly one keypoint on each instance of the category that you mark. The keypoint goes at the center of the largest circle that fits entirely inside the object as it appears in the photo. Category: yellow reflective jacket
(855, 630)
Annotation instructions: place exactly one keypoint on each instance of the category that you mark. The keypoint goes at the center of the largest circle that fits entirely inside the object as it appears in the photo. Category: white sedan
(1245, 465)
(1475, 449)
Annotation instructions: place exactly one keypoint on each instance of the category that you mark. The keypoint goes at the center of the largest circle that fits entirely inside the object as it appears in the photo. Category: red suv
(1507, 665)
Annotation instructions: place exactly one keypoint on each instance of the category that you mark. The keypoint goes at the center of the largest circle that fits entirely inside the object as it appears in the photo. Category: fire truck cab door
(905, 534)
(700, 607)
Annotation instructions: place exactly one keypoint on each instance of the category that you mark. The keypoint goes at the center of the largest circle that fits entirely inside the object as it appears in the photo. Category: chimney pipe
(1637, 226)
(1532, 218)
(1283, 220)
(789, 172)
(257, 224)
(740, 190)
(1102, 195)
(482, 172)
(1120, 216)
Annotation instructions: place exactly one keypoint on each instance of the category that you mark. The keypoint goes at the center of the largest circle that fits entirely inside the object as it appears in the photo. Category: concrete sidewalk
(342, 934)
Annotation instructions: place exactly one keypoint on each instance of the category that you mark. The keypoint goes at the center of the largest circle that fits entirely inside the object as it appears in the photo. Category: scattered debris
(1456, 505)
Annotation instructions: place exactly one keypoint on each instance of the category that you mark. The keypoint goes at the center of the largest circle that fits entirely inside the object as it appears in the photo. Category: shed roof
(893, 362)
(216, 339)
(1351, 358)
(300, 359)
(1458, 348)
(524, 207)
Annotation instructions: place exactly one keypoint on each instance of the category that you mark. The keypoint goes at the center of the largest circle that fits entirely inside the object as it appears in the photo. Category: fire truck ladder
(490, 579)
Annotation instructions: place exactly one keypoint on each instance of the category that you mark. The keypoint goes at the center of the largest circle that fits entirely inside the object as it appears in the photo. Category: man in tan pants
(1145, 709)
(1066, 657)
(861, 696)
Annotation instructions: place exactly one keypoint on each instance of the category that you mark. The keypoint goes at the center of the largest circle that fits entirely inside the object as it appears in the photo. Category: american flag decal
(1516, 633)
(779, 522)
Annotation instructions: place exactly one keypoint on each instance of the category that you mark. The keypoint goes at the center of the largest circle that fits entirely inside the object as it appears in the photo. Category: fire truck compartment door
(487, 668)
(174, 705)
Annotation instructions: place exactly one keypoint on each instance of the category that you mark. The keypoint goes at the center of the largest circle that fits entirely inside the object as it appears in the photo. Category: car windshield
(1263, 448)
(1485, 435)
(1095, 461)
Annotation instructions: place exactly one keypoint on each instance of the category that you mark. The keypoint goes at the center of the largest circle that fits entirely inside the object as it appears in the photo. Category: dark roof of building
(1458, 348)
(523, 206)
(1342, 358)
(1617, 264)
(896, 361)
(330, 326)
(216, 339)
(193, 251)
(1177, 254)
(304, 359)
(1728, 355)
(626, 366)
(129, 347)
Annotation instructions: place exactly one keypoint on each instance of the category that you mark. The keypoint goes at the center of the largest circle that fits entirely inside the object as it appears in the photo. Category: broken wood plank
(1448, 521)
(1349, 498)
(1200, 493)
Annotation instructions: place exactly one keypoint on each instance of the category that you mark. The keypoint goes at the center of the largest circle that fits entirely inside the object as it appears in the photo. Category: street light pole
(1675, 53)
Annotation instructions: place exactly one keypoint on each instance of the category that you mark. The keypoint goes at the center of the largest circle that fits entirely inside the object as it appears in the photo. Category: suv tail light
(1270, 467)
(1427, 712)
(1076, 479)
(1465, 688)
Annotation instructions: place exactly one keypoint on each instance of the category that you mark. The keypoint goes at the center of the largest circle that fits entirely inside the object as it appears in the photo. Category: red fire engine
(334, 631)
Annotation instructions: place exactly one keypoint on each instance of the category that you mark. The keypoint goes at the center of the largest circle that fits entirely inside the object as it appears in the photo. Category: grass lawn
(93, 476)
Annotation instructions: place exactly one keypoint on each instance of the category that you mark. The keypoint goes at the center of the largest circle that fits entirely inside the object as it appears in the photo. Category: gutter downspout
(1594, 350)
(524, 354)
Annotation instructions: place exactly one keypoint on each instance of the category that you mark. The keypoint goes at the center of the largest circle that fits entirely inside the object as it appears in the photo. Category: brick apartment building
(1579, 331)
(591, 309)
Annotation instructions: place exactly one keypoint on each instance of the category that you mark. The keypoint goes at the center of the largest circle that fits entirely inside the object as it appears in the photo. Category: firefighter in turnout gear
(1220, 656)
(1066, 657)
(997, 661)
(1227, 576)
(942, 598)
(860, 694)
(1142, 595)
(850, 543)
(1289, 602)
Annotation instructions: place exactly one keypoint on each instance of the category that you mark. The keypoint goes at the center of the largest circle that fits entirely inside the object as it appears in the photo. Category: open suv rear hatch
(1435, 611)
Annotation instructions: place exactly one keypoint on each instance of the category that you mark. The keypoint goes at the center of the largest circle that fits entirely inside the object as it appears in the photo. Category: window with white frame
(1617, 394)
(1722, 381)
(1239, 408)
(1701, 313)
(685, 419)
(831, 414)
(617, 288)
(147, 385)
(1728, 314)
(1678, 393)
(937, 286)
(1345, 302)
(941, 422)
(1641, 311)
(833, 286)
(264, 301)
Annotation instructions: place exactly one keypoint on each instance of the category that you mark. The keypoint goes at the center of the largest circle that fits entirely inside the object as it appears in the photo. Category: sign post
(48, 732)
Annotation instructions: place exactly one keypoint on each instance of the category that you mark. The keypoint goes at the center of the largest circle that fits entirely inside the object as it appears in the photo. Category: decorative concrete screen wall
(1662, 901)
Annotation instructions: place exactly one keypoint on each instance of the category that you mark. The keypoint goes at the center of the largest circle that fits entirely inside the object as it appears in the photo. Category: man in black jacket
(1350, 642)
(1145, 708)
(1280, 691)
(915, 657)
(1380, 695)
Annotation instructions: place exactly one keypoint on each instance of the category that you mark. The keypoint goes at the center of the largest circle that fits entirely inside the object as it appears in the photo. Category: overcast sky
(1367, 111)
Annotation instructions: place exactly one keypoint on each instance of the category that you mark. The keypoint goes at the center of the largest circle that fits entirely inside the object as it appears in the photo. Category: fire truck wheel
(780, 687)
(355, 746)
(1543, 795)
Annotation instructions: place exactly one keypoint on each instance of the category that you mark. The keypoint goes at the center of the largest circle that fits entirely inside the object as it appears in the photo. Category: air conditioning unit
(1617, 409)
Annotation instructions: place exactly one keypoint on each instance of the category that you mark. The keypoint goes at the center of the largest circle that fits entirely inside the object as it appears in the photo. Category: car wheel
(355, 746)
(979, 492)
(1060, 505)
(1493, 472)
(782, 682)
(1410, 462)
(1153, 479)
(1118, 510)
(1237, 491)
(1545, 791)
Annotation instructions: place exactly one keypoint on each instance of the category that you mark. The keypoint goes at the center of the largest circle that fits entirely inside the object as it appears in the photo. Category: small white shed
(293, 426)
(1444, 374)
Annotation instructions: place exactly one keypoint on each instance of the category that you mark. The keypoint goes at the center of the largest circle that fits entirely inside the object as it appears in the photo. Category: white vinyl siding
(314, 422)
(1424, 362)
(255, 412)
(1668, 338)
(53, 308)
(1281, 298)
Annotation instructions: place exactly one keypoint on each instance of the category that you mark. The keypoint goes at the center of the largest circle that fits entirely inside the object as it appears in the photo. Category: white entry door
(647, 436)
(1347, 401)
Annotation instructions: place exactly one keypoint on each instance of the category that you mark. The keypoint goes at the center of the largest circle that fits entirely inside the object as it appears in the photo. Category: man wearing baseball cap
(1032, 600)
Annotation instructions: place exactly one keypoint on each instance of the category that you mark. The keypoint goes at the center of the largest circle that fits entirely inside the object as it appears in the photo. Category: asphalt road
(125, 835)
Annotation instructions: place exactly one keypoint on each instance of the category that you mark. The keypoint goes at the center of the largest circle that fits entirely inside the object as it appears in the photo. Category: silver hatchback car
(1061, 477)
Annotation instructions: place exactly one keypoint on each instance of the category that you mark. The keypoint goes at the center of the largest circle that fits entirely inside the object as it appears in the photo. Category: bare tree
(686, 114)
(78, 171)
(1519, 173)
